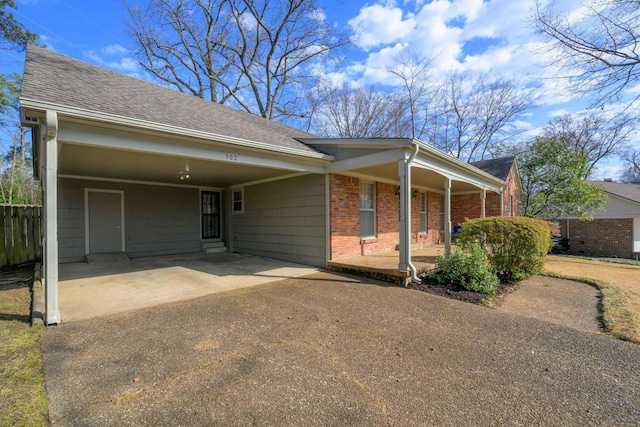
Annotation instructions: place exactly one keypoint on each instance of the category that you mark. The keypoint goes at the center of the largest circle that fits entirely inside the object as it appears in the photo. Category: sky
(472, 36)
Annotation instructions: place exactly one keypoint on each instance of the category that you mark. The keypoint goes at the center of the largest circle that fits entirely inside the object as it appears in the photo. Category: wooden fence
(20, 234)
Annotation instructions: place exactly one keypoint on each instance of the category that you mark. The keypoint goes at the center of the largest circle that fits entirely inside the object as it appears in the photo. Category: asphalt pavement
(330, 350)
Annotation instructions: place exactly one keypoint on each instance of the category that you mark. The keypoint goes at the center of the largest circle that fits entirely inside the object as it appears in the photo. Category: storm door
(210, 214)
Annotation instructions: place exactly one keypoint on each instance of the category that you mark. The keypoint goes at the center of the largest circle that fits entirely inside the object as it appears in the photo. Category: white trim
(366, 160)
(88, 190)
(242, 201)
(164, 128)
(364, 177)
(120, 140)
(133, 181)
(374, 210)
(327, 218)
(266, 180)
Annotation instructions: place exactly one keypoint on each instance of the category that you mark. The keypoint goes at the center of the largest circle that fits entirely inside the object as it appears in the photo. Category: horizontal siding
(284, 220)
(618, 208)
(158, 220)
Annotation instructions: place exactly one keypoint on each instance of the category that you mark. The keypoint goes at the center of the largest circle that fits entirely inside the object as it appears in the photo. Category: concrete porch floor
(384, 265)
(87, 290)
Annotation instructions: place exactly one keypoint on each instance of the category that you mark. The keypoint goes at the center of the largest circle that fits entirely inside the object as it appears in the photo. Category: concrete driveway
(116, 284)
(330, 350)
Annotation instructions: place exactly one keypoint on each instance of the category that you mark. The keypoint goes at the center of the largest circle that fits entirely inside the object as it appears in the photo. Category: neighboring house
(129, 166)
(614, 231)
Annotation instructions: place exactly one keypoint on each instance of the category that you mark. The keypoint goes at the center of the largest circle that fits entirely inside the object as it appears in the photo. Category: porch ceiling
(419, 177)
(82, 160)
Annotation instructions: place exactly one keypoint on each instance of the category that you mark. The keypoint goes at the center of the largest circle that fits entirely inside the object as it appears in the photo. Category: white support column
(405, 214)
(501, 203)
(228, 220)
(483, 203)
(447, 217)
(50, 188)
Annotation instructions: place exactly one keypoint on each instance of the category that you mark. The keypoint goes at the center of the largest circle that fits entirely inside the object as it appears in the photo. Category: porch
(384, 265)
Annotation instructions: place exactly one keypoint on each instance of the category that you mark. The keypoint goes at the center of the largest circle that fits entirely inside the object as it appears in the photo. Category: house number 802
(231, 157)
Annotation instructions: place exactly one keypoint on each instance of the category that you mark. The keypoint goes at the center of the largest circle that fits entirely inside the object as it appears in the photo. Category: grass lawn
(22, 397)
(619, 284)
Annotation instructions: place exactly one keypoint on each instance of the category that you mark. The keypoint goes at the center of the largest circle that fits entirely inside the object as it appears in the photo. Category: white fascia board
(367, 160)
(159, 127)
(77, 135)
(489, 183)
(379, 143)
(456, 167)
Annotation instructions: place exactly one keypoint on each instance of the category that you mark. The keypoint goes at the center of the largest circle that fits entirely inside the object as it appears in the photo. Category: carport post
(483, 202)
(50, 184)
(447, 217)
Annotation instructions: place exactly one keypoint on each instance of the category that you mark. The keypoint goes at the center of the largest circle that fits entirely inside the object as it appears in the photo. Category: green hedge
(515, 246)
(468, 268)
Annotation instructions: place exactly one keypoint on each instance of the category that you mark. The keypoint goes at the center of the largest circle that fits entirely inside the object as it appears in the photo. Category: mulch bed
(459, 293)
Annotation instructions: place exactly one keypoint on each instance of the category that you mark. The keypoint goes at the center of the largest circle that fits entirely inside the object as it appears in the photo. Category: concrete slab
(103, 288)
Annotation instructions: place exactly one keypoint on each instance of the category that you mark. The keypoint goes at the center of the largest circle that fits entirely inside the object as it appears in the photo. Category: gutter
(414, 271)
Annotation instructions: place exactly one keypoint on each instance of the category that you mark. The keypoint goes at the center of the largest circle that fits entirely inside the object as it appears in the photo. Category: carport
(130, 167)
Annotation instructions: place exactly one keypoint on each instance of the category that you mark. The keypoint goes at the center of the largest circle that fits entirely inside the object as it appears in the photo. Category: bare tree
(472, 119)
(593, 135)
(347, 112)
(252, 55)
(414, 77)
(17, 184)
(631, 173)
(599, 48)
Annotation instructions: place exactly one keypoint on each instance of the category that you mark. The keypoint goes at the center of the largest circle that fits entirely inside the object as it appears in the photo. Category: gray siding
(158, 220)
(284, 220)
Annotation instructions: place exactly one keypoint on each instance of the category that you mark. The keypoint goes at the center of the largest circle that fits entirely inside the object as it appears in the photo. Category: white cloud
(376, 25)
(115, 49)
(124, 64)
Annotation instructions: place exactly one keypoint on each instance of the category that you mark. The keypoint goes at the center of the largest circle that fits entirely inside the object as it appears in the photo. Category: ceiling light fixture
(184, 176)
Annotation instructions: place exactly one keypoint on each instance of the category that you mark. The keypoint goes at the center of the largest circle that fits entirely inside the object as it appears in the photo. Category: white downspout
(407, 212)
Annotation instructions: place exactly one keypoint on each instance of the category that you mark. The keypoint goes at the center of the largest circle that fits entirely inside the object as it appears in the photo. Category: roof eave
(79, 113)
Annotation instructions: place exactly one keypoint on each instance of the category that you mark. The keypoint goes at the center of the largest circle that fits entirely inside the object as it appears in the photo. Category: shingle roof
(54, 78)
(624, 190)
(497, 167)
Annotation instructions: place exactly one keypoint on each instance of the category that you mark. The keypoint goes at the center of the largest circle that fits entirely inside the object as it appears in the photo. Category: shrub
(468, 268)
(516, 246)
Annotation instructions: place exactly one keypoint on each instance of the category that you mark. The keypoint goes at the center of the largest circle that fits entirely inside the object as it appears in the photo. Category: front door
(210, 215)
(105, 221)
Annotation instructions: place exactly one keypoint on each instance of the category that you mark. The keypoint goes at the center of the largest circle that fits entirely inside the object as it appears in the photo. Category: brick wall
(600, 237)
(465, 206)
(345, 218)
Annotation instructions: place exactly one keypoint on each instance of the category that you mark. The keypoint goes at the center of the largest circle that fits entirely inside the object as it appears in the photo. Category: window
(238, 201)
(423, 212)
(367, 210)
(510, 207)
(442, 213)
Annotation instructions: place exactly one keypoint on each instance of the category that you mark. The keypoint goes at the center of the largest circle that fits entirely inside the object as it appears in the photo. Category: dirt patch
(457, 292)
